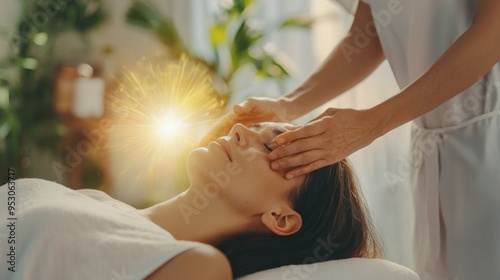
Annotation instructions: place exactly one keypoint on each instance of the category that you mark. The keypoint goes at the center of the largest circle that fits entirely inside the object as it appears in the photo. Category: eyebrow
(275, 130)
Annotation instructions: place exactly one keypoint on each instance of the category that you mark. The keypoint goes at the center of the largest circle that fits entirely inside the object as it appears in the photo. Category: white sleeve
(349, 5)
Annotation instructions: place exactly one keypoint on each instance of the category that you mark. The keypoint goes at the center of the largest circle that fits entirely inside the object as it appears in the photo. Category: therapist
(444, 55)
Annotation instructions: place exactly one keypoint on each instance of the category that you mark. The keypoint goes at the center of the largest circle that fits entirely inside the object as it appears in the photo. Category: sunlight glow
(170, 126)
(160, 113)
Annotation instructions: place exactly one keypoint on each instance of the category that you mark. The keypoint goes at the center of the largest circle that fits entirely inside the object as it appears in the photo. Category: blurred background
(63, 62)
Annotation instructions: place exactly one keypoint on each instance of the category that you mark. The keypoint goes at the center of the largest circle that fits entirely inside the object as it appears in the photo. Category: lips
(225, 145)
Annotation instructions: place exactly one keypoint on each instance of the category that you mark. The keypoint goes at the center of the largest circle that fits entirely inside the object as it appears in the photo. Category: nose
(240, 134)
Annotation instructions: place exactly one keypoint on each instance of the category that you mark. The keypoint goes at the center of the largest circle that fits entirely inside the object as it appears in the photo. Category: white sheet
(348, 269)
(64, 234)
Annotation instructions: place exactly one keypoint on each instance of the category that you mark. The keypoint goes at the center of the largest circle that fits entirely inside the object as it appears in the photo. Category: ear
(283, 221)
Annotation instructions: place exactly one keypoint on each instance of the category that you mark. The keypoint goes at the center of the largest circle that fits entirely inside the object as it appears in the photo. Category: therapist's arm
(354, 58)
(338, 133)
(462, 65)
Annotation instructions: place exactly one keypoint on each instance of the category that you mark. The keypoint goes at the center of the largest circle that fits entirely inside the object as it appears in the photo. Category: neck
(192, 217)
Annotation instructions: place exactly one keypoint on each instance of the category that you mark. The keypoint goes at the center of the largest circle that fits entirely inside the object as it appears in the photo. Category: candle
(88, 99)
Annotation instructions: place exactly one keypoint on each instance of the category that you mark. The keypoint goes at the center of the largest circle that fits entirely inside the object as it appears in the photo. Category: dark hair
(335, 225)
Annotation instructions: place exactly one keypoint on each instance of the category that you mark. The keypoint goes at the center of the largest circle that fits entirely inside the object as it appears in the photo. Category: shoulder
(210, 263)
(105, 198)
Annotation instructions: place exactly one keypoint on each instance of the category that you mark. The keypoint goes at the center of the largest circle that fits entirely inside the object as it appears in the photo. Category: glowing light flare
(160, 113)
(171, 126)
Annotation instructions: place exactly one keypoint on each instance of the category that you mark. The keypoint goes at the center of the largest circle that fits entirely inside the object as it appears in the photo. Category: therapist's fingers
(260, 105)
(243, 108)
(306, 131)
(313, 128)
(296, 147)
(299, 159)
(221, 128)
(329, 139)
(262, 109)
(254, 105)
(302, 170)
(327, 112)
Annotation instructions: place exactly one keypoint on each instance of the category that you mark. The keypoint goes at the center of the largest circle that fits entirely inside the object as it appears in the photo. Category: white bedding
(66, 234)
(348, 269)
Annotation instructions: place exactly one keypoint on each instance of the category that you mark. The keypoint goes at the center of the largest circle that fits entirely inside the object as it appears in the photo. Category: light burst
(160, 112)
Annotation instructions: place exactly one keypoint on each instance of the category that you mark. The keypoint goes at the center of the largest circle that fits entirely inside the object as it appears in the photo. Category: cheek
(255, 170)
(268, 178)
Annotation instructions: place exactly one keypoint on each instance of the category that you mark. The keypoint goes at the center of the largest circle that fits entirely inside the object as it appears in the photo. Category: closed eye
(267, 147)
(276, 131)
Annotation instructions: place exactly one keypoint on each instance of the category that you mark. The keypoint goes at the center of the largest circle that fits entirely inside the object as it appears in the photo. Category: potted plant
(28, 121)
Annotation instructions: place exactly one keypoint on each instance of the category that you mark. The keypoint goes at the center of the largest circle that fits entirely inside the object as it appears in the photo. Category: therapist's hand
(262, 109)
(250, 111)
(327, 139)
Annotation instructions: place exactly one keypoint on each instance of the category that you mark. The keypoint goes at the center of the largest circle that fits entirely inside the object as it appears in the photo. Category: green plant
(146, 16)
(27, 78)
(236, 42)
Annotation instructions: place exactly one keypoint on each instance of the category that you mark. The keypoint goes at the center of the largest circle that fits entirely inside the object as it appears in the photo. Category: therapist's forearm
(462, 65)
(347, 65)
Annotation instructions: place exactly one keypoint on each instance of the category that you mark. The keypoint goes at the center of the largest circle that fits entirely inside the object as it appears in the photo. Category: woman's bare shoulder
(203, 262)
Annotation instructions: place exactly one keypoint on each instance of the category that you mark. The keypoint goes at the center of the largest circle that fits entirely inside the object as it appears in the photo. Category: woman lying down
(237, 217)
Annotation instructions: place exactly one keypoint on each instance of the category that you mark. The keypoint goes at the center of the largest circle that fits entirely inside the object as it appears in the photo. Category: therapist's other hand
(250, 111)
(221, 128)
(262, 109)
(325, 140)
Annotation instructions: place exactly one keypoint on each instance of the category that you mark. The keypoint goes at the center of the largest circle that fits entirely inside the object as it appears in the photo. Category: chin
(194, 159)
(199, 163)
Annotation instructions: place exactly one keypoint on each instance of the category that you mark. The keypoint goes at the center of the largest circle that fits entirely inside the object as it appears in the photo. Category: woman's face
(235, 168)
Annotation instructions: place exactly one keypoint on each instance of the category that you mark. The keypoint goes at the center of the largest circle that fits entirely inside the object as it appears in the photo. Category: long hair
(335, 225)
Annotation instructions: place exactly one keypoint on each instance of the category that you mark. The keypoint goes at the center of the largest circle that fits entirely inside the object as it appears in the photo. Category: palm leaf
(300, 21)
(144, 15)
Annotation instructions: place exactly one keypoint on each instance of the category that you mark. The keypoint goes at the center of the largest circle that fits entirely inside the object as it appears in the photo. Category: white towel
(65, 234)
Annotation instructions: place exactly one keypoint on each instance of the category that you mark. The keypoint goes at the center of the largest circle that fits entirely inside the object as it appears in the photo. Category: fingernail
(289, 176)
(280, 140)
(275, 165)
(273, 156)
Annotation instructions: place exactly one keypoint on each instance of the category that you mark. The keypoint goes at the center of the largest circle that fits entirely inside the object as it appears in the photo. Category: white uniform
(455, 148)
